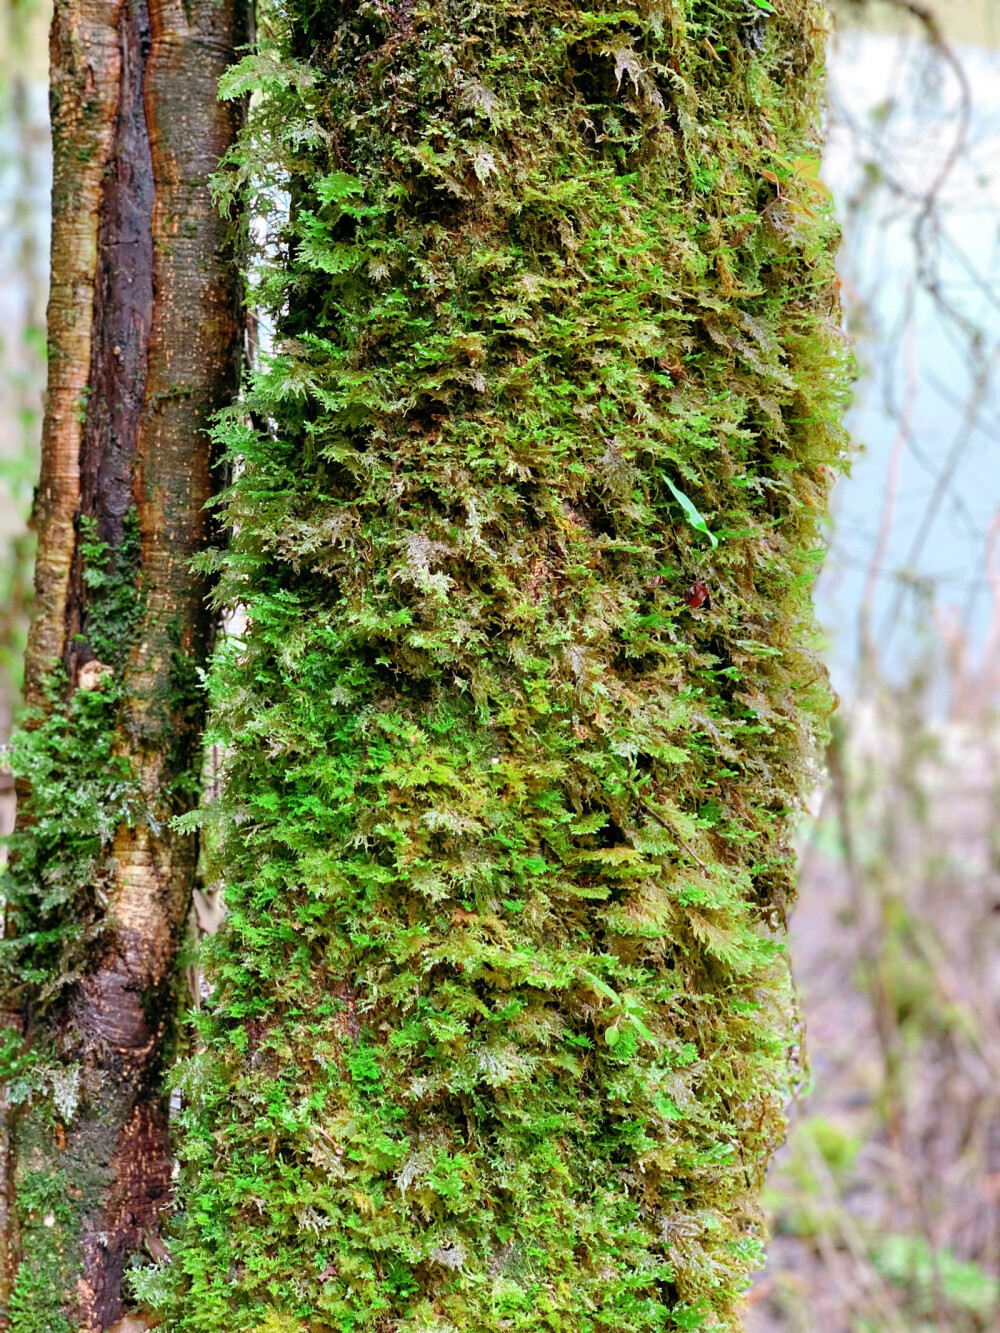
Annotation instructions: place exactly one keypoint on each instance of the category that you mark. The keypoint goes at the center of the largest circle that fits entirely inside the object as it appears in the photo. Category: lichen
(525, 516)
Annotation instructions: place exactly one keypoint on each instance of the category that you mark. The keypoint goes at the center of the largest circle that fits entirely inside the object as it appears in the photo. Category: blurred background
(885, 1202)
(25, 180)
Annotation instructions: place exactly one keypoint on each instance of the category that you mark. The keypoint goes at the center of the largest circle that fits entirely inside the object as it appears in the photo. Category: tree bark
(144, 343)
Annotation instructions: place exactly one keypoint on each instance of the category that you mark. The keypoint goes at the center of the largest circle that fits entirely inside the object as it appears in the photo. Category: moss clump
(115, 599)
(79, 788)
(525, 521)
(77, 785)
(49, 1233)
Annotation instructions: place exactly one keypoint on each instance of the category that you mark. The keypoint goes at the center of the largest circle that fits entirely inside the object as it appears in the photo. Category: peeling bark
(144, 338)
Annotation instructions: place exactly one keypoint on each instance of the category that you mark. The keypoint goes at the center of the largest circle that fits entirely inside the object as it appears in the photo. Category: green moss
(78, 785)
(79, 788)
(49, 1234)
(115, 597)
(500, 1025)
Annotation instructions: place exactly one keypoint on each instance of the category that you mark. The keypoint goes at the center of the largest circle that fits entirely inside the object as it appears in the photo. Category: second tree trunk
(144, 341)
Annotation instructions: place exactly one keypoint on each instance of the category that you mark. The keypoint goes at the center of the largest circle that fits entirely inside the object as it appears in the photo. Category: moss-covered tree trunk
(144, 340)
(525, 522)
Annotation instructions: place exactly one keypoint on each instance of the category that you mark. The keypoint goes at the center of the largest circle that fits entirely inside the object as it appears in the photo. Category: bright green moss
(48, 1232)
(77, 788)
(500, 1029)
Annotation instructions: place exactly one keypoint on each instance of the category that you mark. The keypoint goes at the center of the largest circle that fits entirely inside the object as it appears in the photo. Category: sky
(912, 523)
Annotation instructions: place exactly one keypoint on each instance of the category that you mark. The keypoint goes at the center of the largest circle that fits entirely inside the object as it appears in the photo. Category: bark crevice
(122, 320)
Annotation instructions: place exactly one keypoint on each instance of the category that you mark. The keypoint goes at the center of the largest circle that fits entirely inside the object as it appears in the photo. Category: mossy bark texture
(525, 517)
(144, 337)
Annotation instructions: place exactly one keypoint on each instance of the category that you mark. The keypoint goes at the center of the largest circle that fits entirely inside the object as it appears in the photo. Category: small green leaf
(806, 170)
(691, 513)
(338, 186)
(613, 1035)
(641, 1028)
(602, 987)
(766, 6)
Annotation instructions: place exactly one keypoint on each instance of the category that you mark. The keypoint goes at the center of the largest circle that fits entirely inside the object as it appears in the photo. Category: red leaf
(697, 594)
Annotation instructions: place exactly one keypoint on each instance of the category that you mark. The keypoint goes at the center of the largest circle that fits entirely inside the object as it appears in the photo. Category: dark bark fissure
(123, 317)
(140, 1172)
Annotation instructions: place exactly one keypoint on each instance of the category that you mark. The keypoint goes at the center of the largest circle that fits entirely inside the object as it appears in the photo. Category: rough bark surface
(144, 331)
(86, 61)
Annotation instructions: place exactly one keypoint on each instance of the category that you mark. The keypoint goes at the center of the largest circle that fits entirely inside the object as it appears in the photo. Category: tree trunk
(524, 524)
(144, 343)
